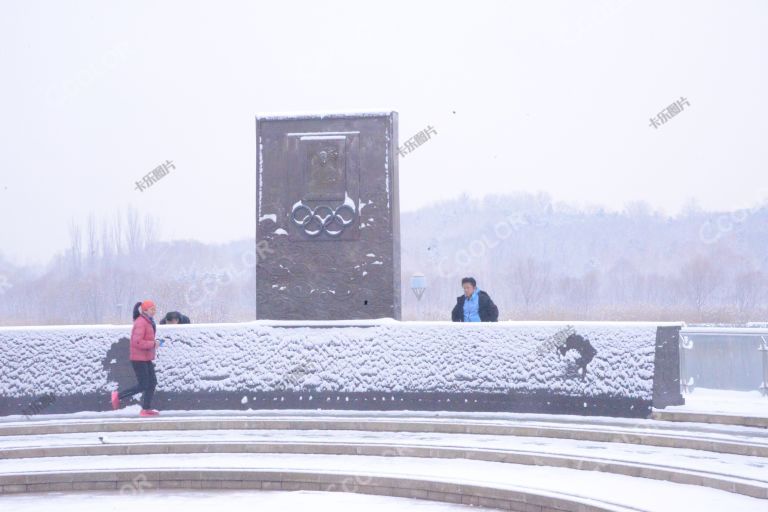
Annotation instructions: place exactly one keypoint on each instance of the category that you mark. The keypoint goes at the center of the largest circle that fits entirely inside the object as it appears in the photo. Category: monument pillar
(327, 217)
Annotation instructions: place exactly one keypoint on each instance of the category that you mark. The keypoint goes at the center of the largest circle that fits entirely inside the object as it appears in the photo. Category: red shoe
(149, 412)
(115, 400)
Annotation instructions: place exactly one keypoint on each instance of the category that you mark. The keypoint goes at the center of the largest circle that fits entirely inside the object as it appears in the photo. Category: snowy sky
(534, 96)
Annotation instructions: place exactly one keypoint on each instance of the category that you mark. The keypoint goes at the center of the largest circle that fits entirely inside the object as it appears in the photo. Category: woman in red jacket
(143, 347)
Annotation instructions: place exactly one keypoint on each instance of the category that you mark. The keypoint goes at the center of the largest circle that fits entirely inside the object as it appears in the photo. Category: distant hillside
(538, 260)
(544, 260)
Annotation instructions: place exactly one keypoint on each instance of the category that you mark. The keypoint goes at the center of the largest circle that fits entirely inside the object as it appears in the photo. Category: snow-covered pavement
(722, 401)
(741, 466)
(639, 493)
(540, 454)
(205, 501)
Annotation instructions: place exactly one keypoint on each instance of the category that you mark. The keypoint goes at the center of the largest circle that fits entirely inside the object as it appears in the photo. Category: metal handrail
(725, 331)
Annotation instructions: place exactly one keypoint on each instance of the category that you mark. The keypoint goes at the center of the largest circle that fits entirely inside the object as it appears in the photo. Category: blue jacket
(472, 308)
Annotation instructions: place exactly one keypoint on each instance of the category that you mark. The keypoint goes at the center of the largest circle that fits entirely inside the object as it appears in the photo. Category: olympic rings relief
(322, 218)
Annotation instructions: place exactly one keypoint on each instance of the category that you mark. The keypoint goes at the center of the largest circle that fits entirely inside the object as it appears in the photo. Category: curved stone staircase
(527, 463)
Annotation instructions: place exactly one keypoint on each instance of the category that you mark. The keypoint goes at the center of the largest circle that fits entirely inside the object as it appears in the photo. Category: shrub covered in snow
(357, 356)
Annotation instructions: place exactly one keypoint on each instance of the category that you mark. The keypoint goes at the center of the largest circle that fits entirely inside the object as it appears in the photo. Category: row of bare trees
(110, 264)
(701, 292)
(538, 260)
(556, 262)
(127, 234)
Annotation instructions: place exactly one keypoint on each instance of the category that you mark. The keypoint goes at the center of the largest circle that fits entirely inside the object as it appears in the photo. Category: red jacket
(142, 340)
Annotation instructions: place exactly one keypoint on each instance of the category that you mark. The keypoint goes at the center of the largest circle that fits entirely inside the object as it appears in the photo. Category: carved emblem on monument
(326, 176)
(324, 171)
(322, 219)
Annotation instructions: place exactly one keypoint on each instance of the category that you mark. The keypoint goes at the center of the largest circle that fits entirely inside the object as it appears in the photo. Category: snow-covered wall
(594, 361)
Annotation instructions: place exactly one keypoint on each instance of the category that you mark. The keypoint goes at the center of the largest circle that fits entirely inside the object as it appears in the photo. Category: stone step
(755, 488)
(519, 498)
(739, 443)
(716, 418)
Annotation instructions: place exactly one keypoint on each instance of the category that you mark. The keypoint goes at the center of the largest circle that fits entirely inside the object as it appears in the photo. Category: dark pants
(145, 374)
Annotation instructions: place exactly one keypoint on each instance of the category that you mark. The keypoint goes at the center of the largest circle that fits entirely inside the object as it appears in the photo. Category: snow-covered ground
(206, 501)
(642, 493)
(131, 413)
(721, 401)
(633, 492)
(741, 466)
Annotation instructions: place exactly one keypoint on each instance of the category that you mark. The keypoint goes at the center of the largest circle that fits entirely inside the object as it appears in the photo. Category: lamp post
(418, 285)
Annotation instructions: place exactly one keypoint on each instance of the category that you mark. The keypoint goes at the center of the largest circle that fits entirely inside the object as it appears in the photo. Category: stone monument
(327, 217)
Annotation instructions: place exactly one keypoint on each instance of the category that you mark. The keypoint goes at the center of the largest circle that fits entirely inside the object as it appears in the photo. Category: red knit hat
(146, 305)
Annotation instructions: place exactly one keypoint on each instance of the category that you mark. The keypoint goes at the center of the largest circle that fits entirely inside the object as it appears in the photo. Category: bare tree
(117, 234)
(75, 247)
(107, 247)
(533, 281)
(748, 292)
(699, 279)
(150, 231)
(91, 236)
(133, 232)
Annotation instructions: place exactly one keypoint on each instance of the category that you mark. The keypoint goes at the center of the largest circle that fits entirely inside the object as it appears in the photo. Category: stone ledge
(748, 487)
(720, 419)
(436, 490)
(599, 434)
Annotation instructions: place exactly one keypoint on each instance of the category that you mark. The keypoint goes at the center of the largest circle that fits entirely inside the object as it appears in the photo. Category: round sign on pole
(418, 284)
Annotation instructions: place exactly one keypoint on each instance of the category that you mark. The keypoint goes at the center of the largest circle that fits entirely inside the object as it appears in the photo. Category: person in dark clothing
(146, 384)
(475, 305)
(174, 317)
(142, 346)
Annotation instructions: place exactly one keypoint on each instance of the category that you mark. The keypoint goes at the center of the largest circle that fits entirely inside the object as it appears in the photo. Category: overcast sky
(531, 96)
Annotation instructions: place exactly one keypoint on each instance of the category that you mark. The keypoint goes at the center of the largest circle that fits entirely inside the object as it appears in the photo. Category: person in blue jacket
(475, 305)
